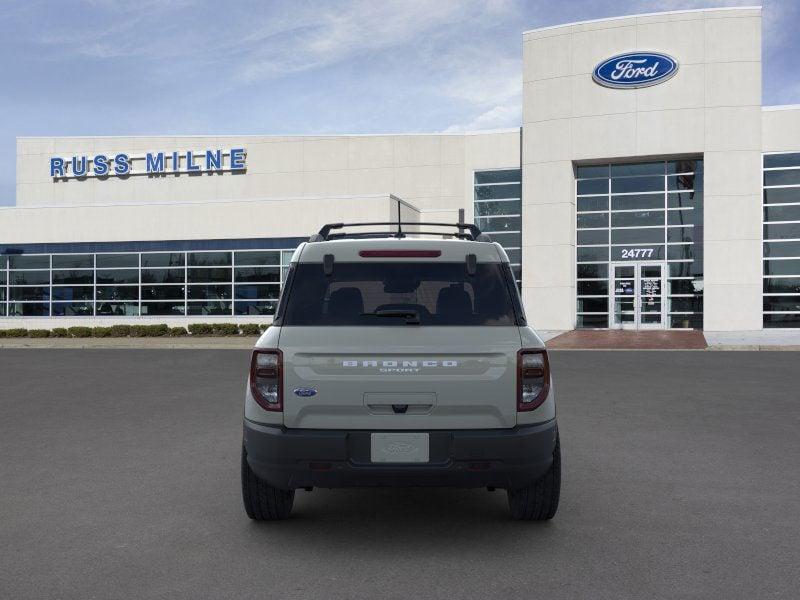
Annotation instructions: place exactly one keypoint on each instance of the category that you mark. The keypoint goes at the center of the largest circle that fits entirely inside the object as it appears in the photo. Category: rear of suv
(397, 359)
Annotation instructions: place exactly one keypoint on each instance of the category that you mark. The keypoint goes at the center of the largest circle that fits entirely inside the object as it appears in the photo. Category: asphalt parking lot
(119, 478)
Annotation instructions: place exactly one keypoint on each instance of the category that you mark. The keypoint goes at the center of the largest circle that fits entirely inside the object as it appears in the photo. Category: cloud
(497, 117)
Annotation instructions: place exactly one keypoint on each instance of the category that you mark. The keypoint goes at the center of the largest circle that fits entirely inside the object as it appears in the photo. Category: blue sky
(102, 67)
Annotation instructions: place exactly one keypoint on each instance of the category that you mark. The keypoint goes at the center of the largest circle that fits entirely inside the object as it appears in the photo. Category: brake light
(400, 253)
(266, 379)
(533, 378)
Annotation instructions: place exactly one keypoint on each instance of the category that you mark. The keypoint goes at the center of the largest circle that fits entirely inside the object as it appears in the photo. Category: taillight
(266, 374)
(533, 378)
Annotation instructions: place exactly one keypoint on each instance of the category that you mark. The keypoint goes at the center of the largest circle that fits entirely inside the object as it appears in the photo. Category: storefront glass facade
(131, 284)
(650, 216)
(781, 240)
(498, 211)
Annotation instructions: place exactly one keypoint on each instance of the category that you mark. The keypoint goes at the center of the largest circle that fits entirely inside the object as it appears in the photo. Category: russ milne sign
(635, 70)
(151, 163)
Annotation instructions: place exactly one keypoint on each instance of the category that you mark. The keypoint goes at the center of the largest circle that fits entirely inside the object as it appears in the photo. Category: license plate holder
(400, 447)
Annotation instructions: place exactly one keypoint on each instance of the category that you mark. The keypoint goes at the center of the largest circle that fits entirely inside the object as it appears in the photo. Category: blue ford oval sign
(635, 70)
(305, 392)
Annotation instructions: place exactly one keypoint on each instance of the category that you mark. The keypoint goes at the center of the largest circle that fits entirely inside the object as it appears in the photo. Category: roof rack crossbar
(464, 230)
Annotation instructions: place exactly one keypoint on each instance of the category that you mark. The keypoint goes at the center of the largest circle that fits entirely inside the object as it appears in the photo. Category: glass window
(591, 171)
(256, 292)
(209, 292)
(3, 262)
(497, 207)
(782, 160)
(28, 309)
(684, 286)
(693, 304)
(162, 308)
(502, 224)
(782, 231)
(118, 276)
(286, 256)
(624, 185)
(71, 292)
(122, 292)
(220, 275)
(259, 257)
(489, 192)
(163, 259)
(27, 261)
(686, 321)
(781, 249)
(593, 186)
(73, 261)
(209, 259)
(784, 320)
(782, 195)
(683, 182)
(209, 308)
(639, 218)
(29, 277)
(592, 254)
(438, 293)
(257, 274)
(680, 251)
(684, 217)
(117, 309)
(593, 321)
(29, 293)
(782, 303)
(64, 277)
(105, 261)
(593, 220)
(637, 236)
(594, 203)
(638, 252)
(255, 308)
(637, 202)
(593, 305)
(623, 170)
(593, 288)
(684, 166)
(163, 276)
(499, 176)
(592, 236)
(162, 292)
(682, 269)
(73, 309)
(2, 278)
(514, 256)
(782, 267)
(782, 285)
(680, 234)
(685, 200)
(782, 213)
(511, 240)
(597, 271)
(788, 177)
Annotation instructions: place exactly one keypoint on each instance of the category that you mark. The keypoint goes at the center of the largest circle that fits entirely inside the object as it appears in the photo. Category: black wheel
(262, 502)
(539, 501)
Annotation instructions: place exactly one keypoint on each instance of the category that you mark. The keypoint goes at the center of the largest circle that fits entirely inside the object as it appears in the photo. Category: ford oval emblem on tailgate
(305, 392)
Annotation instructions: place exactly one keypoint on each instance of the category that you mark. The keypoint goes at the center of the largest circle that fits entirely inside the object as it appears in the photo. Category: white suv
(397, 359)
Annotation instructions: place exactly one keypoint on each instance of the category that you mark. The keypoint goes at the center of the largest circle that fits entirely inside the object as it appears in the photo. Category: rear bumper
(297, 458)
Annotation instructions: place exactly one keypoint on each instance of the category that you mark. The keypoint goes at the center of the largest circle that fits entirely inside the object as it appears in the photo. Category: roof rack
(463, 231)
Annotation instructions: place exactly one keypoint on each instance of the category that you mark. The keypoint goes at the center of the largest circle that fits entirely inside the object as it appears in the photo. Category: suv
(400, 360)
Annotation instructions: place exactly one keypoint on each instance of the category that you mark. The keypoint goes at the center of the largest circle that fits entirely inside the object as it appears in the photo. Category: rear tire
(539, 500)
(263, 502)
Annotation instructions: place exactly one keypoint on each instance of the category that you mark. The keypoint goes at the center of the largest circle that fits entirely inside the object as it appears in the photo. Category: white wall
(711, 107)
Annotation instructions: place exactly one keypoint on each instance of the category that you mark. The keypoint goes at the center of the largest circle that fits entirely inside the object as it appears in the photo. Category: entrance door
(637, 295)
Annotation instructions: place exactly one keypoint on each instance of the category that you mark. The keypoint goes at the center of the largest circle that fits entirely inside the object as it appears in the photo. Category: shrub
(263, 327)
(59, 332)
(2, 333)
(38, 333)
(120, 330)
(80, 332)
(250, 329)
(101, 332)
(177, 331)
(200, 329)
(156, 330)
(224, 329)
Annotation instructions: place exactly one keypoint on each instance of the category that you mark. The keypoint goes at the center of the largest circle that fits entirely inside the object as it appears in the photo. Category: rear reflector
(400, 253)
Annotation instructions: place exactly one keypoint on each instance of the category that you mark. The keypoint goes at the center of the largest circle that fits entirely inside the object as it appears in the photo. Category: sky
(162, 67)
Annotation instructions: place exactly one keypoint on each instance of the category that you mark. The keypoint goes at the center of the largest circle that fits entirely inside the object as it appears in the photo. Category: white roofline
(652, 14)
(268, 135)
(782, 107)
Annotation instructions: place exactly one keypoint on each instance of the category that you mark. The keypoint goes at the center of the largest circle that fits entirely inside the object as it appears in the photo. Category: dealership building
(647, 187)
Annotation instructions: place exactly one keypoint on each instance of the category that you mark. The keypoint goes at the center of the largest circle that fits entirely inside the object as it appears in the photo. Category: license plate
(400, 447)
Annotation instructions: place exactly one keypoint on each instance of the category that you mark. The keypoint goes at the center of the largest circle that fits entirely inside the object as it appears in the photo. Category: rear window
(400, 294)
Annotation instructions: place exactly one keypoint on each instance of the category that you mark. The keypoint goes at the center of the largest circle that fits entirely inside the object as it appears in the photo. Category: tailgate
(400, 377)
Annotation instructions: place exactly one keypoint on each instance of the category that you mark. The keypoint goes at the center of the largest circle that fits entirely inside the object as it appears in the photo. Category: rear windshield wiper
(411, 316)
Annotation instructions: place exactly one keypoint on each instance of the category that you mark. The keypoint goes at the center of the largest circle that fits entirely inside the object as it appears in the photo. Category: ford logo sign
(305, 392)
(635, 70)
